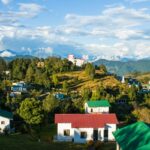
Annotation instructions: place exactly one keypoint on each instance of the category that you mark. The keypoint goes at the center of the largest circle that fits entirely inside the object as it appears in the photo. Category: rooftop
(86, 120)
(135, 136)
(98, 103)
(6, 114)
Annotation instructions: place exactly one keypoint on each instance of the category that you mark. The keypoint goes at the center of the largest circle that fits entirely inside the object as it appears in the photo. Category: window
(66, 132)
(83, 135)
(2, 122)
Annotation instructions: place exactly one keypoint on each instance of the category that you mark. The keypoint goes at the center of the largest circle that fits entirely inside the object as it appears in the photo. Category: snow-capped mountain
(63, 51)
(7, 53)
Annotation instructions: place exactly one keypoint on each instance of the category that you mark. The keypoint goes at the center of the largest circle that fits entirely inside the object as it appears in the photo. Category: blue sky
(105, 29)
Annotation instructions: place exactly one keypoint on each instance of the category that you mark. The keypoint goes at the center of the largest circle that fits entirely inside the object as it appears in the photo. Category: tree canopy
(31, 111)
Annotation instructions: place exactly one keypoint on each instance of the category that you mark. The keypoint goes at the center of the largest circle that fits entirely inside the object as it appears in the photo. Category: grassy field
(142, 77)
(24, 142)
(79, 80)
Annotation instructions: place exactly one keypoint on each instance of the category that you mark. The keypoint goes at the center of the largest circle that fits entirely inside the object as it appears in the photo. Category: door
(106, 134)
(95, 135)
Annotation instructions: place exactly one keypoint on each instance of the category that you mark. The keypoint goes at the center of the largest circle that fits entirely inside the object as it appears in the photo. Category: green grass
(85, 82)
(24, 142)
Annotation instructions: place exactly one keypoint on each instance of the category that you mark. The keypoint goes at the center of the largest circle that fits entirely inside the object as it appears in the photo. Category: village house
(77, 62)
(133, 137)
(146, 86)
(59, 96)
(81, 128)
(40, 64)
(94, 125)
(99, 106)
(18, 88)
(5, 120)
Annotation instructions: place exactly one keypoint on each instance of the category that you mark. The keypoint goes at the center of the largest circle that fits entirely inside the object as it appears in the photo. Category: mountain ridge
(122, 68)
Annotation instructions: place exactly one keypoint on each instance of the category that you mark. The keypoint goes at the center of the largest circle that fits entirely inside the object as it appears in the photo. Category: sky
(103, 28)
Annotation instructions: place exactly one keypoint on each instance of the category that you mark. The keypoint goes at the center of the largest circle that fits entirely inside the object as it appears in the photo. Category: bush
(90, 143)
(98, 145)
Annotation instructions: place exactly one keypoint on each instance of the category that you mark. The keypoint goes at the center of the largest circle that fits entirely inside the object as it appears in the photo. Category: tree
(96, 94)
(103, 69)
(55, 79)
(65, 86)
(2, 66)
(90, 70)
(30, 74)
(132, 93)
(50, 103)
(86, 94)
(31, 111)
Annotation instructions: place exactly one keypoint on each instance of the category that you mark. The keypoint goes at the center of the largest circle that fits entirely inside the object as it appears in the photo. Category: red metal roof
(86, 120)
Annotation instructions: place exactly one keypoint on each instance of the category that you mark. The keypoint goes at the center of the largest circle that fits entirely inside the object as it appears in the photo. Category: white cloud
(25, 11)
(5, 2)
(138, 1)
(117, 31)
(30, 7)
(6, 54)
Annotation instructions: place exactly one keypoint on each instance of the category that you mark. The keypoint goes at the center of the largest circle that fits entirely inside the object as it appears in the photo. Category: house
(77, 62)
(133, 137)
(59, 96)
(5, 120)
(18, 88)
(123, 80)
(133, 82)
(40, 64)
(98, 106)
(81, 128)
(146, 87)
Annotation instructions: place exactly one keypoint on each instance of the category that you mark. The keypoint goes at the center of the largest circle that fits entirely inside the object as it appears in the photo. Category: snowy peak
(7, 53)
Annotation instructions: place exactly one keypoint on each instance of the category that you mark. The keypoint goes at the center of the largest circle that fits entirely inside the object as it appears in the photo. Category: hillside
(78, 80)
(142, 77)
(122, 68)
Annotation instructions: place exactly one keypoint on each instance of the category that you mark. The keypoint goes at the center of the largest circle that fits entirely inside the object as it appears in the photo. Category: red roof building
(81, 128)
(86, 120)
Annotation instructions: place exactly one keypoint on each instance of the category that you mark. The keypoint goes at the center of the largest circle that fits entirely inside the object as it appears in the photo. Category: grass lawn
(24, 142)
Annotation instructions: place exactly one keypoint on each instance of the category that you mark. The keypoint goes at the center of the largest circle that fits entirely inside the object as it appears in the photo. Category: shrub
(90, 143)
(98, 145)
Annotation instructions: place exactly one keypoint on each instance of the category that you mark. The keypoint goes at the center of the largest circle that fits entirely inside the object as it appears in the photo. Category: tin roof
(6, 114)
(98, 103)
(135, 136)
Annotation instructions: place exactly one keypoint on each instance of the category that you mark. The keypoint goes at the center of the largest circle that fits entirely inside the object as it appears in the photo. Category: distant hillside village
(77, 61)
(56, 100)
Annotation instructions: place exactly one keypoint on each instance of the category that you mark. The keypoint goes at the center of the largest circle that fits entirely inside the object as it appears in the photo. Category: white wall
(96, 109)
(75, 133)
(60, 132)
(6, 125)
(111, 128)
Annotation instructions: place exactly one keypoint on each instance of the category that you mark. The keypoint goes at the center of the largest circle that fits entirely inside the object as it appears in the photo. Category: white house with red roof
(81, 128)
